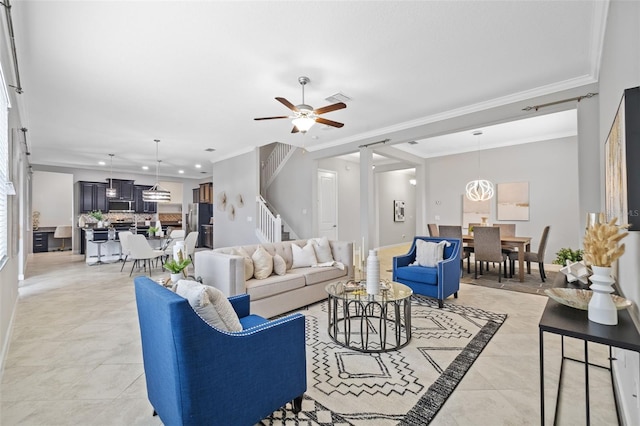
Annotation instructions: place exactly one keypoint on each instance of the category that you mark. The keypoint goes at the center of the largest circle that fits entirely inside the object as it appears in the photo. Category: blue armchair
(439, 282)
(199, 375)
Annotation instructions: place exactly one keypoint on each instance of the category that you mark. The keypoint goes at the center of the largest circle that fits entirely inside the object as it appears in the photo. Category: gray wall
(236, 176)
(391, 186)
(550, 167)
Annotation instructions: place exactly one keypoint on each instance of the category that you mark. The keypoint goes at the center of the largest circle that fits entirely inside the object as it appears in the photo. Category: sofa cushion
(262, 263)
(248, 262)
(323, 249)
(317, 275)
(303, 257)
(420, 274)
(279, 265)
(210, 304)
(429, 253)
(275, 284)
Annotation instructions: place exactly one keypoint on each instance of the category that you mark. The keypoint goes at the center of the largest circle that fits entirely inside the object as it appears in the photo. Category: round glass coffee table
(369, 322)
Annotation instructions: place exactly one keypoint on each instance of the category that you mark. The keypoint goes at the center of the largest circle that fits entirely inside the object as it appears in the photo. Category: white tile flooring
(75, 356)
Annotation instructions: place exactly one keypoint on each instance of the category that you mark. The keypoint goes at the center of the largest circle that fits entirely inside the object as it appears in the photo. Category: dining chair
(507, 230)
(63, 232)
(190, 244)
(433, 230)
(139, 249)
(530, 256)
(123, 236)
(487, 248)
(175, 236)
(454, 231)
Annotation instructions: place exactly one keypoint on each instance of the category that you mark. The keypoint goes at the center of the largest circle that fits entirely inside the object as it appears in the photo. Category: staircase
(270, 227)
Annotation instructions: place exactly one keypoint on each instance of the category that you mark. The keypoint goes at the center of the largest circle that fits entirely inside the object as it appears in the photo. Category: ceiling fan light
(479, 190)
(303, 123)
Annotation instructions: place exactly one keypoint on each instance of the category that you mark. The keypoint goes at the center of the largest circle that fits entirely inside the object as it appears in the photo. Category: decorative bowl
(579, 299)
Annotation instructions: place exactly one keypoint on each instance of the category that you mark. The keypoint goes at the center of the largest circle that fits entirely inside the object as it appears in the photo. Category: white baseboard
(7, 340)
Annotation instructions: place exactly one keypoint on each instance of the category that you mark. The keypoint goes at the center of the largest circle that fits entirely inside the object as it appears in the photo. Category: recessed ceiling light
(181, 171)
(145, 167)
(198, 166)
(102, 163)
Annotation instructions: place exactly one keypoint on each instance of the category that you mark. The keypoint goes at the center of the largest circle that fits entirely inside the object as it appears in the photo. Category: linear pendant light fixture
(156, 194)
(111, 191)
(479, 189)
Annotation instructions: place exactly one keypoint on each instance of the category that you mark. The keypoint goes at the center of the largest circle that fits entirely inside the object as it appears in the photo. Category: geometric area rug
(407, 386)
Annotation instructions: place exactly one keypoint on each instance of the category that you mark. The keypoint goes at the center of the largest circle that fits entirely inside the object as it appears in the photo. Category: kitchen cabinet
(124, 189)
(140, 206)
(196, 195)
(206, 193)
(93, 196)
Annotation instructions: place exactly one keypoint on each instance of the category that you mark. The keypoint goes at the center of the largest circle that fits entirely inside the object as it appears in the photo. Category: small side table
(570, 322)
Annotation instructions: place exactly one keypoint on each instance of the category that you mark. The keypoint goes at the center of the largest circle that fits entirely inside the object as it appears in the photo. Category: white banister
(274, 162)
(268, 224)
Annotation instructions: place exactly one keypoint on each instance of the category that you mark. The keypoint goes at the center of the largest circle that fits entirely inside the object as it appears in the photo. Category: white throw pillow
(248, 262)
(262, 263)
(322, 249)
(429, 253)
(303, 257)
(279, 265)
(210, 304)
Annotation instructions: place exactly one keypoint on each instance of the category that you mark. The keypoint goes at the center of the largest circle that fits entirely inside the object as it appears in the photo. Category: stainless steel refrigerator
(199, 214)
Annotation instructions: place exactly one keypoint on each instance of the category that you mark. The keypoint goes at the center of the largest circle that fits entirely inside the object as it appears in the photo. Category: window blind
(4, 167)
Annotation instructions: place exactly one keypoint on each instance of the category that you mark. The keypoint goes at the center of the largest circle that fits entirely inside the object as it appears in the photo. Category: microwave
(120, 206)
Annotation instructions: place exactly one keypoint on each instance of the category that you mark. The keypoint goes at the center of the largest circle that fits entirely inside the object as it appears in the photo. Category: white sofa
(275, 294)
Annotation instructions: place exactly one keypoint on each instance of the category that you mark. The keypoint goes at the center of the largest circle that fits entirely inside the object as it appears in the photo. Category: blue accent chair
(199, 375)
(440, 281)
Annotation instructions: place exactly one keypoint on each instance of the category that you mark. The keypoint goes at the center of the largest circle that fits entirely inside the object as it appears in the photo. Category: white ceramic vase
(176, 277)
(373, 273)
(601, 307)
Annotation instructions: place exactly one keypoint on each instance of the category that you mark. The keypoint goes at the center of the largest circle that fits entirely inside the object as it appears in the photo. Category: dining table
(521, 243)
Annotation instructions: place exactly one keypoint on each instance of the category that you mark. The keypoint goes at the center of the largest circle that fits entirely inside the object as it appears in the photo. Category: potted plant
(99, 216)
(566, 254)
(177, 268)
(152, 231)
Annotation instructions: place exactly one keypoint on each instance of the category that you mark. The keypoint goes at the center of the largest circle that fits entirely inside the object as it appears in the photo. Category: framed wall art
(474, 211)
(398, 210)
(513, 201)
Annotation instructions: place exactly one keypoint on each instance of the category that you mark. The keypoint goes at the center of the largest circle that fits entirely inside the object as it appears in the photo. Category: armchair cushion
(429, 253)
(421, 274)
(210, 304)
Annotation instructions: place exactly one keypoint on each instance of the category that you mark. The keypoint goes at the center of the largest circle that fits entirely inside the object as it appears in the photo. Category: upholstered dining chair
(433, 230)
(534, 256)
(454, 231)
(190, 243)
(123, 236)
(487, 248)
(63, 232)
(139, 249)
(175, 236)
(507, 230)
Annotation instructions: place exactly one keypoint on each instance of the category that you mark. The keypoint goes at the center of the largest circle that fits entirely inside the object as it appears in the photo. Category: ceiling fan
(304, 116)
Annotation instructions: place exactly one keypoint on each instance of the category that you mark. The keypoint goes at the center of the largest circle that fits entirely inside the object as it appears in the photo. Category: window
(4, 167)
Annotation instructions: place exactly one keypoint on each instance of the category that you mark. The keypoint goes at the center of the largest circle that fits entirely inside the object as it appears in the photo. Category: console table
(570, 322)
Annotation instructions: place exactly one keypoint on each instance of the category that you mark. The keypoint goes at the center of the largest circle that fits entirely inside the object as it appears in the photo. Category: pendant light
(111, 191)
(156, 194)
(479, 189)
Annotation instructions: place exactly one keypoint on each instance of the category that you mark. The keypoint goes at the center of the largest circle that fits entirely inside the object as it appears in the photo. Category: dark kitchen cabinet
(93, 196)
(140, 206)
(124, 189)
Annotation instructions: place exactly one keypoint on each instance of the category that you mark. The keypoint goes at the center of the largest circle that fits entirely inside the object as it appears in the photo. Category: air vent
(338, 97)
(412, 143)
(210, 149)
(204, 173)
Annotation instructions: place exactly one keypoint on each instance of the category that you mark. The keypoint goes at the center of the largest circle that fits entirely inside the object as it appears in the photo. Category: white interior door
(328, 204)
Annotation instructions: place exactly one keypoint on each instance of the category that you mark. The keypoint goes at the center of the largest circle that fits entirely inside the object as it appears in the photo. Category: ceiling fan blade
(288, 104)
(294, 130)
(329, 108)
(328, 122)
(271, 118)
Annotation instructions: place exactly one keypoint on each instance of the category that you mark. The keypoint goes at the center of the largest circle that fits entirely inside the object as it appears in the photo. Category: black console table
(570, 322)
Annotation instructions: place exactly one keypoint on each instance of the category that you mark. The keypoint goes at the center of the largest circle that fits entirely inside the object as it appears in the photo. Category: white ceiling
(111, 76)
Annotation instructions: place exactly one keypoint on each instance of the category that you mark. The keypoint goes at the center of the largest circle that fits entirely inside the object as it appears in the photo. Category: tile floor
(75, 356)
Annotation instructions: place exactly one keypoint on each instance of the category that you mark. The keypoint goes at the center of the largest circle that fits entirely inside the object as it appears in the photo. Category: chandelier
(111, 191)
(479, 189)
(156, 194)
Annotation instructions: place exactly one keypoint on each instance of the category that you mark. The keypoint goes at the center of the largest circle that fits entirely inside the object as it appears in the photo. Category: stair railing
(275, 162)
(268, 226)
